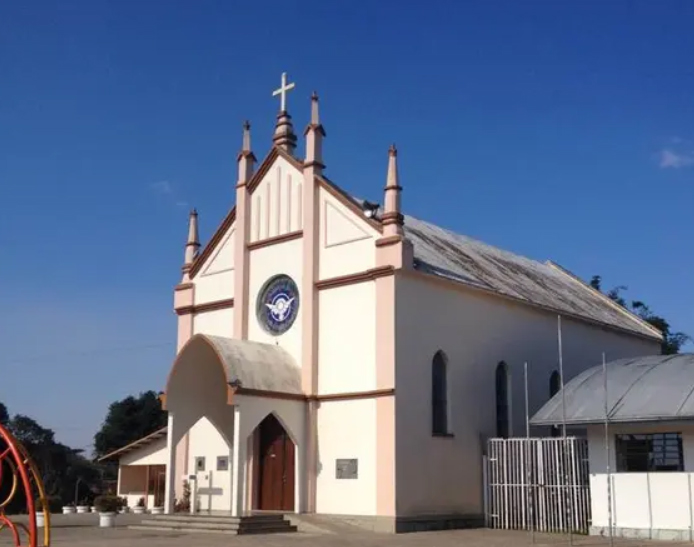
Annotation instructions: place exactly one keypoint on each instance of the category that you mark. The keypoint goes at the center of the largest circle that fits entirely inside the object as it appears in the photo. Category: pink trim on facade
(385, 406)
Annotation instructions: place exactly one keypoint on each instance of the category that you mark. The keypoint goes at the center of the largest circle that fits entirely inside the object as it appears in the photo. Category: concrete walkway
(83, 531)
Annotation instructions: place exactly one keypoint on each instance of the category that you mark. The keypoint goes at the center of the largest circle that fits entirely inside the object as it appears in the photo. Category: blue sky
(561, 130)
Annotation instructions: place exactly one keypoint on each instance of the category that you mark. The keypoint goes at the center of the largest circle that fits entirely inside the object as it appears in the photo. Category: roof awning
(642, 389)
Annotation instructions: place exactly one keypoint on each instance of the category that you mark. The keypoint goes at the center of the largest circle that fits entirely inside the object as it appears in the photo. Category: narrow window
(439, 395)
(554, 386)
(502, 400)
(644, 453)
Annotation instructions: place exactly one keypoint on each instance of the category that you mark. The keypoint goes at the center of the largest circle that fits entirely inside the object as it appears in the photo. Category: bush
(107, 504)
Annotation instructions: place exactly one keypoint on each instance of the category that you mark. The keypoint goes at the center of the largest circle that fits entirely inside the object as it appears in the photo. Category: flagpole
(529, 453)
(607, 451)
(563, 423)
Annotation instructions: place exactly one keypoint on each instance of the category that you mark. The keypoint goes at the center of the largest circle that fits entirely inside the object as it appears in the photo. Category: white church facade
(342, 358)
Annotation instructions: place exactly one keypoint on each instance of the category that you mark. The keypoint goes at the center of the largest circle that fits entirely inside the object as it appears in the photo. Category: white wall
(215, 280)
(276, 202)
(214, 487)
(347, 342)
(645, 502)
(346, 240)
(215, 323)
(476, 331)
(153, 453)
(347, 430)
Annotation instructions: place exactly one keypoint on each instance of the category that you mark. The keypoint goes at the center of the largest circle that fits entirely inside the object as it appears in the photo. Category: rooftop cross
(282, 92)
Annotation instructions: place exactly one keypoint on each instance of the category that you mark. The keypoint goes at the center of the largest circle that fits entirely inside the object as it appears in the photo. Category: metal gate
(538, 484)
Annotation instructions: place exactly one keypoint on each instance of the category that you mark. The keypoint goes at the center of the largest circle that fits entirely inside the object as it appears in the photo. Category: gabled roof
(452, 256)
(144, 441)
(642, 389)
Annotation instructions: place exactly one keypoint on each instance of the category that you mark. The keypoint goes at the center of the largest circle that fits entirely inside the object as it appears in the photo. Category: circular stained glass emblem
(278, 304)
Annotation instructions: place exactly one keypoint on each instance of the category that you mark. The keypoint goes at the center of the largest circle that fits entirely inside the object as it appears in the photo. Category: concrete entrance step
(252, 524)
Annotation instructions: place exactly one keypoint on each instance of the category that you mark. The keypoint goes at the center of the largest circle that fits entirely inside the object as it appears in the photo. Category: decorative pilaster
(313, 169)
(246, 160)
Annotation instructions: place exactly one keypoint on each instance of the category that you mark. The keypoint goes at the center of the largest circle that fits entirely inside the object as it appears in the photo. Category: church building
(339, 357)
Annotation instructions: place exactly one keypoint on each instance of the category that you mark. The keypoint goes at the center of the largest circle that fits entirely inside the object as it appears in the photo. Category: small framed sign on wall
(347, 468)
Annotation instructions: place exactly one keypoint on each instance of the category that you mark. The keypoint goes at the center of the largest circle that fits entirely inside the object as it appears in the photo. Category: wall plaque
(347, 469)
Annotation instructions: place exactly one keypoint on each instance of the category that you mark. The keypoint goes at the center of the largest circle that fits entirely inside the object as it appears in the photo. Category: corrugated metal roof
(447, 254)
(457, 257)
(652, 388)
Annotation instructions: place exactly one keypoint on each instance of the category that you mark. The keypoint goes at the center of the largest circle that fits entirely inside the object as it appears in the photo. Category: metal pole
(77, 486)
(563, 425)
(528, 454)
(607, 451)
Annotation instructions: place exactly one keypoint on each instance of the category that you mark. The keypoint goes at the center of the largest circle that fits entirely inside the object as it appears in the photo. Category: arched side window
(439, 395)
(502, 401)
(554, 386)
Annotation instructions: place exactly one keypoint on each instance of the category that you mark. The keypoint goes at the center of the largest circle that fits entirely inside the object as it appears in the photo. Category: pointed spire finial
(246, 158)
(392, 177)
(246, 147)
(192, 243)
(392, 216)
(315, 118)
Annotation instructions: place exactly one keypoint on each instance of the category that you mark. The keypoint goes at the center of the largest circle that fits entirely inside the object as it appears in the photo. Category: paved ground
(83, 531)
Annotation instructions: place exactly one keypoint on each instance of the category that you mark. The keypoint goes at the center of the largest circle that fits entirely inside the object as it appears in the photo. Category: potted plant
(183, 505)
(159, 510)
(107, 507)
(40, 515)
(69, 509)
(83, 507)
(139, 509)
(123, 508)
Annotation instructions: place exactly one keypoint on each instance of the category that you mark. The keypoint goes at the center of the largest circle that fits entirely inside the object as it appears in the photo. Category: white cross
(282, 92)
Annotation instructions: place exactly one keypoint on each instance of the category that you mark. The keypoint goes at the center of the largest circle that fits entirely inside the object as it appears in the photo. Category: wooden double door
(276, 467)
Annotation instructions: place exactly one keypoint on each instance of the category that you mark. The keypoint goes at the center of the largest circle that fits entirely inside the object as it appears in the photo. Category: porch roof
(642, 389)
(253, 365)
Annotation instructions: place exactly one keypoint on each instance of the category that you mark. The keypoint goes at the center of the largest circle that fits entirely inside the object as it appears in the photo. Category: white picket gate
(539, 484)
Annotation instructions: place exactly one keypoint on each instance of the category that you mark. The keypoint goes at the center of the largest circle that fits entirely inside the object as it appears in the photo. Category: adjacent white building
(649, 444)
(346, 359)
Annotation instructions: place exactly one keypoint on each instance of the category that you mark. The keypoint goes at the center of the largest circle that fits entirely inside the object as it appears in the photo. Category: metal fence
(539, 484)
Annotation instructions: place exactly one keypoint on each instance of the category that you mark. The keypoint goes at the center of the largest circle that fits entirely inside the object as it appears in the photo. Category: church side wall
(476, 331)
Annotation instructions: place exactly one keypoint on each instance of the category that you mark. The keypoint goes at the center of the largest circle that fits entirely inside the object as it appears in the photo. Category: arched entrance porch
(251, 393)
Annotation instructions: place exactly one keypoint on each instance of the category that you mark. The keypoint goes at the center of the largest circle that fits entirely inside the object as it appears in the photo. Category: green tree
(61, 467)
(672, 341)
(4, 415)
(128, 420)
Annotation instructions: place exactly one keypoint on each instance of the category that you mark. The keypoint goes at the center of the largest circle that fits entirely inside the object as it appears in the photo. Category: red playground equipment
(23, 477)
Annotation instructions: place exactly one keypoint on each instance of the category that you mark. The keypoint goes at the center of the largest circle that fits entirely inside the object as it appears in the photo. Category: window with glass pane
(645, 452)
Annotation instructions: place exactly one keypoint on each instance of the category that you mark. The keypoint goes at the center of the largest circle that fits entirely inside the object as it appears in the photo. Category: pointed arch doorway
(275, 467)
